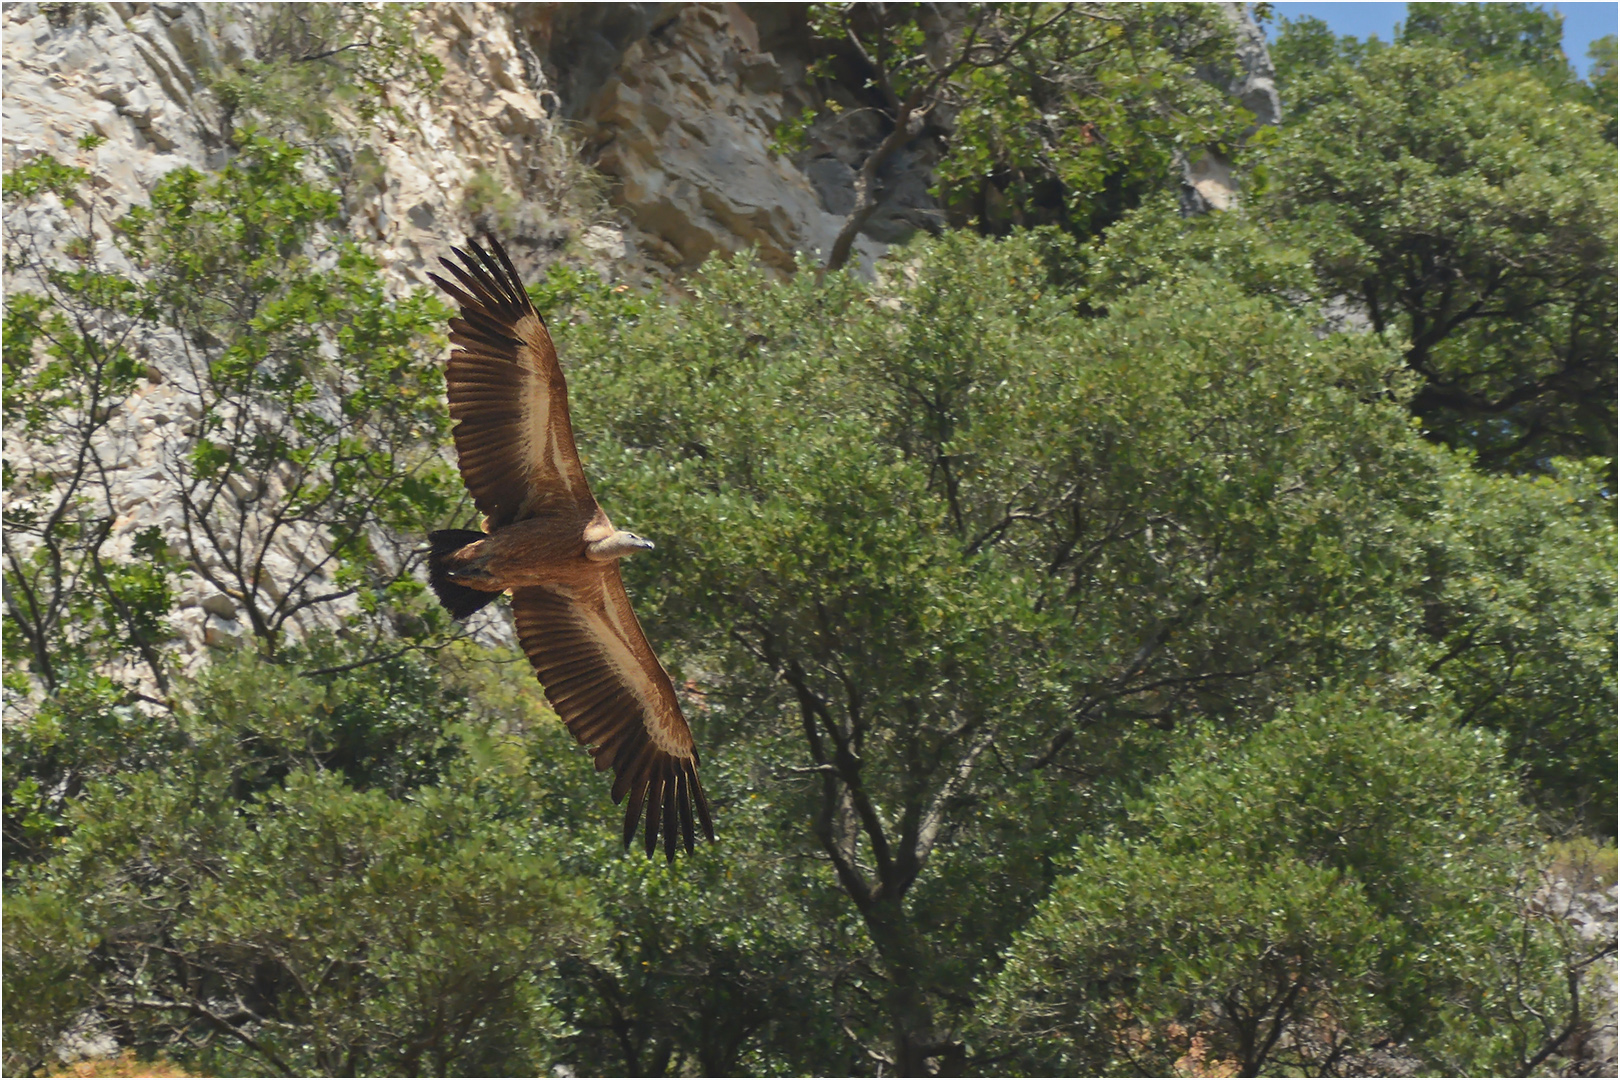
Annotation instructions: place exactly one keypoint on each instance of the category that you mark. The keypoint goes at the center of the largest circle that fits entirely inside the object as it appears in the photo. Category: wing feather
(632, 813)
(514, 441)
(655, 813)
(602, 678)
(671, 792)
(685, 802)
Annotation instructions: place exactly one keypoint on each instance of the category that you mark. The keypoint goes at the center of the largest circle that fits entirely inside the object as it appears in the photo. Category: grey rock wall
(138, 75)
(109, 69)
(1207, 182)
(684, 124)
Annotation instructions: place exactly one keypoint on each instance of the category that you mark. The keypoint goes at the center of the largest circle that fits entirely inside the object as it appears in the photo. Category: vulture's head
(617, 546)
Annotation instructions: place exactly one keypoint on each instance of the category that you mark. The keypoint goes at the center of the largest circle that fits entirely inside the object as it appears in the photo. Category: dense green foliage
(308, 58)
(1458, 187)
(1063, 114)
(260, 905)
(1342, 875)
(1521, 594)
(1095, 667)
(1454, 188)
(1004, 575)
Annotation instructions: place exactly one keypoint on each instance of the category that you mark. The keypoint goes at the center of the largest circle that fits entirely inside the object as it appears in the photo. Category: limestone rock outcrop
(685, 123)
(139, 77)
(1207, 181)
(139, 74)
(127, 72)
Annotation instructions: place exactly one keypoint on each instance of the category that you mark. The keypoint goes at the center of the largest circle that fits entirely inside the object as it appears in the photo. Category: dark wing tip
(702, 802)
(488, 283)
(512, 274)
(667, 803)
(455, 292)
(632, 812)
(501, 273)
(686, 810)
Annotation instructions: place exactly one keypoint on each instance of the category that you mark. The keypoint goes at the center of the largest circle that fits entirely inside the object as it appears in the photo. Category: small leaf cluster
(308, 58)
(1044, 114)
(1089, 118)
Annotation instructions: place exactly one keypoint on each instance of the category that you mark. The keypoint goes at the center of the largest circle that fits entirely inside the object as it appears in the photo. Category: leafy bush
(308, 58)
(1342, 882)
(247, 906)
(316, 423)
(1520, 600)
(306, 467)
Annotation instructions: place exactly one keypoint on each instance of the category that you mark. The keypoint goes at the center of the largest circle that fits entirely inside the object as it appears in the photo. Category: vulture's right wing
(514, 441)
(602, 678)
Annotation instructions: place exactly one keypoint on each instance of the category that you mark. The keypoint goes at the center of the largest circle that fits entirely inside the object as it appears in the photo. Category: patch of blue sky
(1583, 22)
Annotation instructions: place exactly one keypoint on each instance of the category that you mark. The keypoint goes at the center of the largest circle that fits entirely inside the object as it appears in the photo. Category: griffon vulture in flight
(548, 542)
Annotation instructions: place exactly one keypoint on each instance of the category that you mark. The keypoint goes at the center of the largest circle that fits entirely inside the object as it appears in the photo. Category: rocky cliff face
(683, 123)
(138, 76)
(673, 104)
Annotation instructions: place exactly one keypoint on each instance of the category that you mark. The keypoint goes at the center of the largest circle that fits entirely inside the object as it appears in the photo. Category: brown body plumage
(549, 544)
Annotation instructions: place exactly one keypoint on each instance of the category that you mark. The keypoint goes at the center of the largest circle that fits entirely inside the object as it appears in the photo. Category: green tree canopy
(1502, 36)
(1342, 881)
(1460, 193)
(961, 563)
(1062, 114)
(300, 927)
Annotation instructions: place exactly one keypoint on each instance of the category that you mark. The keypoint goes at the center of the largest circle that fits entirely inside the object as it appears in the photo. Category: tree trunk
(866, 187)
(919, 1048)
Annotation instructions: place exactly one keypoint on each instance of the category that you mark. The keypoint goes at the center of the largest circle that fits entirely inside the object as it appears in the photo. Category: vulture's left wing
(605, 683)
(514, 441)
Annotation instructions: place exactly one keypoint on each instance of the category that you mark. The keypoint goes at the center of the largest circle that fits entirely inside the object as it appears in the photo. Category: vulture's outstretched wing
(604, 681)
(513, 438)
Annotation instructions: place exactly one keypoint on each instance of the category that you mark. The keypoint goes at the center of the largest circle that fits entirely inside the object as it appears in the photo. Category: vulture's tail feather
(458, 600)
